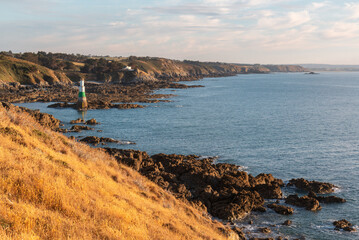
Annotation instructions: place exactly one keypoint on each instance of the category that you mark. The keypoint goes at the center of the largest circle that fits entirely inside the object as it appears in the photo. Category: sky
(235, 31)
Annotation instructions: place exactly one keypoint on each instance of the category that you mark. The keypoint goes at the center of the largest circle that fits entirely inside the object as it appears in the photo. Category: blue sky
(243, 31)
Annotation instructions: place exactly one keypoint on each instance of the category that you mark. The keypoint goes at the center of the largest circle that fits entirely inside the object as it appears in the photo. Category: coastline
(221, 190)
(257, 230)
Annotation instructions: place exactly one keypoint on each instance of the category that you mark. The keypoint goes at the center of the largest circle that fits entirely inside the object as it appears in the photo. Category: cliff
(285, 68)
(164, 69)
(13, 70)
(55, 188)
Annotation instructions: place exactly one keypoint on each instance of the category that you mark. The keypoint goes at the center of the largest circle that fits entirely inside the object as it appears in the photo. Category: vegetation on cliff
(28, 73)
(146, 69)
(55, 188)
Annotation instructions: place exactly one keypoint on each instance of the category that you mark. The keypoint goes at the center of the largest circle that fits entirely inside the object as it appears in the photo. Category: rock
(97, 140)
(222, 189)
(237, 206)
(229, 233)
(92, 122)
(239, 232)
(327, 199)
(127, 106)
(132, 158)
(79, 120)
(269, 191)
(265, 230)
(345, 225)
(266, 179)
(287, 223)
(62, 105)
(78, 128)
(259, 209)
(284, 210)
(316, 187)
(309, 203)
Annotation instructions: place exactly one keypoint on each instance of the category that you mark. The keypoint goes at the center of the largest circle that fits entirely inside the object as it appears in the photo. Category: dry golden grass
(54, 188)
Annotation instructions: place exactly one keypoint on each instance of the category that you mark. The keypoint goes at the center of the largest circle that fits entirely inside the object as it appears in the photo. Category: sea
(292, 125)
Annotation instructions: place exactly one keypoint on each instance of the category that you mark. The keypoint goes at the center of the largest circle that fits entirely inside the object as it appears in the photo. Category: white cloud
(317, 5)
(353, 8)
(290, 20)
(342, 30)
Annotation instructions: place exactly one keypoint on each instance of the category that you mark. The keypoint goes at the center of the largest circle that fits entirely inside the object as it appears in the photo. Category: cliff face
(164, 69)
(52, 187)
(14, 70)
(146, 69)
(285, 68)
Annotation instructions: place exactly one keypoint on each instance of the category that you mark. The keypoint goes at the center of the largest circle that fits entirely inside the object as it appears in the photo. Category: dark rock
(132, 158)
(345, 225)
(265, 230)
(269, 191)
(79, 120)
(309, 203)
(327, 199)
(62, 105)
(284, 210)
(287, 223)
(259, 209)
(92, 122)
(97, 140)
(127, 106)
(316, 187)
(239, 232)
(229, 233)
(266, 179)
(78, 128)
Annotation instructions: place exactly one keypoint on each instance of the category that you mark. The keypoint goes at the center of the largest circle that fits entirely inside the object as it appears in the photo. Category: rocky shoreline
(221, 190)
(100, 96)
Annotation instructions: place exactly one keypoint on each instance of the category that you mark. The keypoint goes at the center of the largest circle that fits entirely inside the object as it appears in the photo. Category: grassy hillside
(24, 72)
(55, 188)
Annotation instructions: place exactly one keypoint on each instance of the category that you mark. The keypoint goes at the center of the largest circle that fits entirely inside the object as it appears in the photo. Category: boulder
(79, 120)
(314, 186)
(345, 225)
(284, 210)
(309, 203)
(78, 128)
(327, 199)
(269, 191)
(92, 122)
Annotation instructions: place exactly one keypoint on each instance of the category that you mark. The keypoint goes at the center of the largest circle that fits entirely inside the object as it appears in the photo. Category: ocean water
(291, 125)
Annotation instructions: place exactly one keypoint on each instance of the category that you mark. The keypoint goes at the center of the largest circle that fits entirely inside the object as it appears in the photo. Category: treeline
(55, 61)
(101, 65)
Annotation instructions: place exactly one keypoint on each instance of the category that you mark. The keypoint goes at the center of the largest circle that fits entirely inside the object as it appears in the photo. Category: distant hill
(329, 67)
(28, 73)
(58, 68)
(286, 68)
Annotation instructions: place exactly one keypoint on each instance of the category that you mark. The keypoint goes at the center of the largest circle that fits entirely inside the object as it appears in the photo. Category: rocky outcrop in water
(103, 140)
(344, 225)
(79, 128)
(309, 203)
(312, 186)
(284, 210)
(327, 199)
(222, 189)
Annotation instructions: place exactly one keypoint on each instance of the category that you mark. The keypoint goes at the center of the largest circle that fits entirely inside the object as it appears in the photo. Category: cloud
(353, 8)
(317, 5)
(289, 20)
(342, 30)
